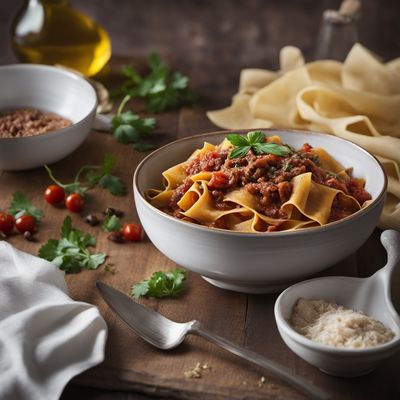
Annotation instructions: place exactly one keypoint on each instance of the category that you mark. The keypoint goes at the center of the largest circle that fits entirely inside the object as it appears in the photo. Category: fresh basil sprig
(255, 140)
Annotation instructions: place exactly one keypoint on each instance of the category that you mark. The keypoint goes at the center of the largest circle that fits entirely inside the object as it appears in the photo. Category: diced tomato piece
(306, 148)
(219, 180)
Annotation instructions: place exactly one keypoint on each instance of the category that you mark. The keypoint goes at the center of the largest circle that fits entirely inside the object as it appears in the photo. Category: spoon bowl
(370, 295)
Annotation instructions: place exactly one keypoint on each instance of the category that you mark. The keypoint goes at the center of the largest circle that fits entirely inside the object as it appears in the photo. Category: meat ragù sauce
(269, 178)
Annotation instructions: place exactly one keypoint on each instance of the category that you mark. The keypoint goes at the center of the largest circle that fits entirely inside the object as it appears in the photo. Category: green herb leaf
(238, 140)
(256, 137)
(239, 152)
(20, 205)
(161, 284)
(109, 267)
(113, 184)
(140, 289)
(255, 141)
(126, 134)
(271, 148)
(162, 88)
(111, 223)
(109, 163)
(66, 227)
(49, 250)
(95, 260)
(143, 147)
(96, 175)
(127, 127)
(130, 73)
(71, 252)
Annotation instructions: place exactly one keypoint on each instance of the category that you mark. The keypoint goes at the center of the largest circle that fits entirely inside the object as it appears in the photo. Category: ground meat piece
(342, 207)
(219, 223)
(269, 197)
(179, 192)
(218, 196)
(285, 190)
(209, 161)
(282, 176)
(318, 174)
(235, 162)
(274, 160)
(261, 162)
(336, 184)
(356, 190)
(259, 173)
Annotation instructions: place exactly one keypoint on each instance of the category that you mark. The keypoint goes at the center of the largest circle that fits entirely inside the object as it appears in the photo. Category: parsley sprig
(161, 284)
(95, 175)
(20, 205)
(71, 252)
(255, 140)
(162, 88)
(128, 127)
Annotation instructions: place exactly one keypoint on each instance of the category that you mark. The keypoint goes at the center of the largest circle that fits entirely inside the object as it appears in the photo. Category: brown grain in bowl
(29, 122)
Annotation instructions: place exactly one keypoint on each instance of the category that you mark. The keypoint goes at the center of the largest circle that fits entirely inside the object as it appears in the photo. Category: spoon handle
(391, 242)
(278, 370)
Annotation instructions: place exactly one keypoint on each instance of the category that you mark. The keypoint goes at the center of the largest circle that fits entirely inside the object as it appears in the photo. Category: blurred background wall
(201, 35)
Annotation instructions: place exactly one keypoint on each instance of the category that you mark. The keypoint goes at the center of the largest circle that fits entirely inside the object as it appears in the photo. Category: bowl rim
(304, 231)
(285, 327)
(65, 73)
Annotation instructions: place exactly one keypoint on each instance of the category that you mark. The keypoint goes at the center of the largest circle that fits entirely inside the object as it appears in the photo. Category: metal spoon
(166, 334)
(371, 295)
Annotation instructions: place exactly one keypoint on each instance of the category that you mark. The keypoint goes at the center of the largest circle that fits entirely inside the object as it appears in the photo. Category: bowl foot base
(347, 374)
(253, 289)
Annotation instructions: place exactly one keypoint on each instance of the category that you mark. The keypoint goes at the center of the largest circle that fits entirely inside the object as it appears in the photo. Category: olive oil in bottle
(52, 32)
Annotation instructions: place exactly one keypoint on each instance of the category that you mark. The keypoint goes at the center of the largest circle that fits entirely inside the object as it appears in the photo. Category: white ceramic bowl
(331, 360)
(258, 262)
(371, 295)
(48, 89)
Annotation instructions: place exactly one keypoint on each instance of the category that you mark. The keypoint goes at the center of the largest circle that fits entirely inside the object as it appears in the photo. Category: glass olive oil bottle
(52, 32)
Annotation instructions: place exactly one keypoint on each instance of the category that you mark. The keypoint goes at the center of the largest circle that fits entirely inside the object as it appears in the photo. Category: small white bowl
(258, 262)
(48, 89)
(344, 362)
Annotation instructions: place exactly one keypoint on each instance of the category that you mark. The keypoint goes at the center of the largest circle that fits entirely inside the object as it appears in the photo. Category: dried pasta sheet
(358, 100)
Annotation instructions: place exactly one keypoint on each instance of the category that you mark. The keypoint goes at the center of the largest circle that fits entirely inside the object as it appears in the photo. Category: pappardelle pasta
(257, 184)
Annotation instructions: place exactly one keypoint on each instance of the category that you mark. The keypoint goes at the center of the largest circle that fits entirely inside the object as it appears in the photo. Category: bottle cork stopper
(350, 8)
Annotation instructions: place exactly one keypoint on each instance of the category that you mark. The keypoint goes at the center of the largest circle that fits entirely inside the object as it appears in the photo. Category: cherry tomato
(132, 232)
(25, 223)
(7, 223)
(54, 195)
(74, 202)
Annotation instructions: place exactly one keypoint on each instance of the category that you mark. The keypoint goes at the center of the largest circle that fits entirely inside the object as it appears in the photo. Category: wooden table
(133, 365)
(211, 42)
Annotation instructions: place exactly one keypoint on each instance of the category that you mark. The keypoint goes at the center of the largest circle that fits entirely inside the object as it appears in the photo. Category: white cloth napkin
(46, 338)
